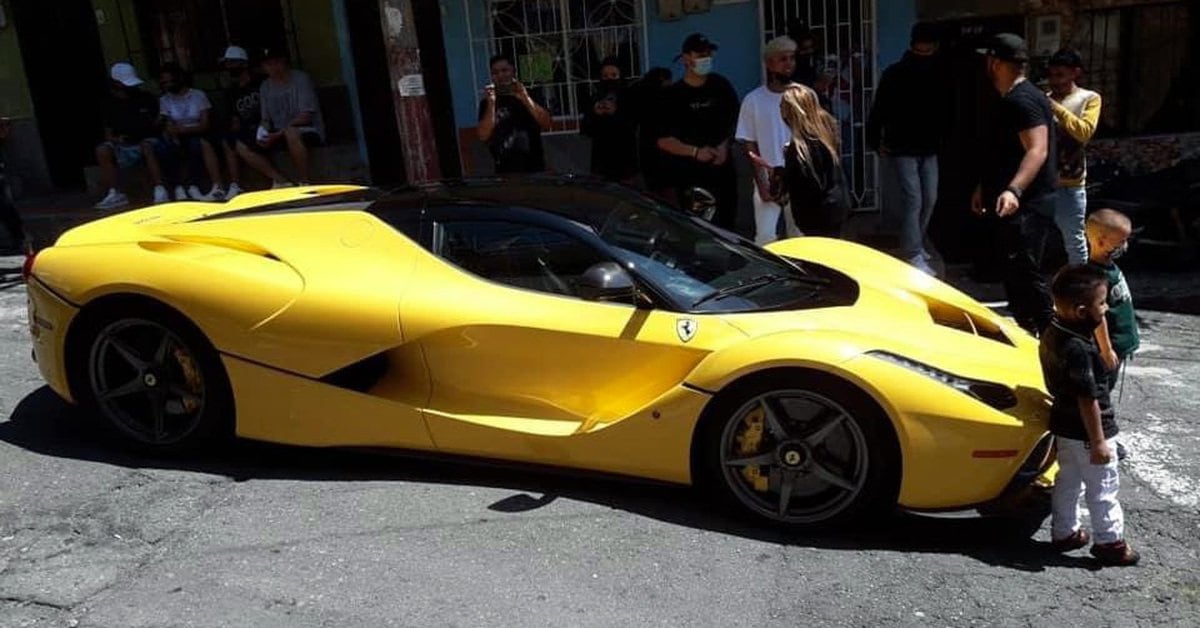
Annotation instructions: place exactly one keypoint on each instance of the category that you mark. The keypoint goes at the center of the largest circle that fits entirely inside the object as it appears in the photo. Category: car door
(510, 345)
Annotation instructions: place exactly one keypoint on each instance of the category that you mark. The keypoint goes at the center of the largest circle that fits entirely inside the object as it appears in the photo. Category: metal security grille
(1135, 57)
(558, 46)
(843, 34)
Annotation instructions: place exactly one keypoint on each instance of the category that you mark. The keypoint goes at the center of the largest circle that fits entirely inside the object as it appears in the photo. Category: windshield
(699, 265)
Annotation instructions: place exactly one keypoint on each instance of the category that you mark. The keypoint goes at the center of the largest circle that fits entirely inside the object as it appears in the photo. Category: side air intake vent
(954, 317)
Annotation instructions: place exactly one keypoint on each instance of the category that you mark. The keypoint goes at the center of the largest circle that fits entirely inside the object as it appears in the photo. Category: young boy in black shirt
(1082, 418)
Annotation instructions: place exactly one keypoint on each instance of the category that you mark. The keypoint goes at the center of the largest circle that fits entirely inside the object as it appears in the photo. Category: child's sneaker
(1117, 554)
(180, 193)
(161, 195)
(1078, 539)
(234, 190)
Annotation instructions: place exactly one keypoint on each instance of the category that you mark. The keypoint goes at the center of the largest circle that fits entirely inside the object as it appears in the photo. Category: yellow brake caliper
(749, 441)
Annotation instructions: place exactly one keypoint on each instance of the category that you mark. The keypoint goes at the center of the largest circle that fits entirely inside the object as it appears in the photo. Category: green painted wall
(317, 40)
(120, 37)
(14, 87)
(314, 28)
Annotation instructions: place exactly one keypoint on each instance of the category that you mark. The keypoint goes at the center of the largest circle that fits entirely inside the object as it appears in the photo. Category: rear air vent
(954, 317)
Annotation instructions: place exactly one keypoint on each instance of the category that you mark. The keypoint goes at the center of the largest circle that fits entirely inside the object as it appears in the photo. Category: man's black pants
(1028, 296)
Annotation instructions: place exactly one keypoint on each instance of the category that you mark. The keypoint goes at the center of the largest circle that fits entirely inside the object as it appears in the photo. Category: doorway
(65, 94)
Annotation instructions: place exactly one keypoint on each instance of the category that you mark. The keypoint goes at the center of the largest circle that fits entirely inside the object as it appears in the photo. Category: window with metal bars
(843, 33)
(558, 46)
(194, 33)
(1137, 59)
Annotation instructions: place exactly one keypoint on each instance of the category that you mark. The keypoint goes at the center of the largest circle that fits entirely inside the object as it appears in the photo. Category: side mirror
(701, 203)
(607, 281)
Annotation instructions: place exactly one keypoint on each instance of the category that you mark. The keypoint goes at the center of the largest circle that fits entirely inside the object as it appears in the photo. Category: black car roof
(579, 197)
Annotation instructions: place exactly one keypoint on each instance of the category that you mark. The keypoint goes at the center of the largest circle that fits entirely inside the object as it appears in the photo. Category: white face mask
(702, 66)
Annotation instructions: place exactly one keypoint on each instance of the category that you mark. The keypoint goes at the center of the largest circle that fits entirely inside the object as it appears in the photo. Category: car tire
(152, 379)
(842, 464)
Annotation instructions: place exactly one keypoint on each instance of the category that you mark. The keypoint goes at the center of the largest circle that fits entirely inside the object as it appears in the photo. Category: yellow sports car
(549, 320)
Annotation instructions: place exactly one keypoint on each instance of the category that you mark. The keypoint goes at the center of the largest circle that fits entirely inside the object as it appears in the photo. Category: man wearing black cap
(695, 123)
(1018, 179)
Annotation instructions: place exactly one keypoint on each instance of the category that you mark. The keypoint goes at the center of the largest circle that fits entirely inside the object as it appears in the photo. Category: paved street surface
(269, 536)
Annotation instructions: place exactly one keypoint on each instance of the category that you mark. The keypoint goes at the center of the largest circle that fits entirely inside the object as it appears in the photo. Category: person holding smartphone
(511, 122)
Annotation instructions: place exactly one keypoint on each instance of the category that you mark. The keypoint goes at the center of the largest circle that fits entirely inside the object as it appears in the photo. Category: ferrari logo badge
(686, 328)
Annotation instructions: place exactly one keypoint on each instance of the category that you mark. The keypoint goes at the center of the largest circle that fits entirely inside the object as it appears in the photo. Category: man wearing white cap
(244, 111)
(129, 131)
(763, 133)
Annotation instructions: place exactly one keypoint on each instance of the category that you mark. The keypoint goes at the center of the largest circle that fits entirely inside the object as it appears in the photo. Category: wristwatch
(1016, 191)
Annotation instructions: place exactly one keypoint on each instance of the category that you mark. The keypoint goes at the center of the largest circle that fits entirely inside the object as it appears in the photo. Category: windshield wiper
(756, 282)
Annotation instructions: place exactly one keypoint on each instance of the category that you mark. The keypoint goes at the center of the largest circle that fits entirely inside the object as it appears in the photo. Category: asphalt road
(271, 536)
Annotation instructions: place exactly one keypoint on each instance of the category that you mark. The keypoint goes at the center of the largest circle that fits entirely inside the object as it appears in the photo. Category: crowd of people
(183, 143)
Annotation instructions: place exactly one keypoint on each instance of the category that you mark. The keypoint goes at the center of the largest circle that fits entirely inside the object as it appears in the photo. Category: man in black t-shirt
(610, 123)
(511, 122)
(1018, 179)
(695, 124)
(130, 135)
(244, 112)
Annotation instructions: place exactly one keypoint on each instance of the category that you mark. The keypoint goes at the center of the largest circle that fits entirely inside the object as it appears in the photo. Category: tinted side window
(519, 255)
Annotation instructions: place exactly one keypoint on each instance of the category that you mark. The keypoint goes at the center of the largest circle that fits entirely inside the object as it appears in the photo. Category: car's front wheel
(154, 379)
(805, 450)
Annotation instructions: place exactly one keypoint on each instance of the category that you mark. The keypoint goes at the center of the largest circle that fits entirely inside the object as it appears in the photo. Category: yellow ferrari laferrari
(550, 320)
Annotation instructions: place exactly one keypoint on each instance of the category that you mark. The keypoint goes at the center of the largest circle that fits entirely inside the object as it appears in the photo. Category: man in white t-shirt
(184, 116)
(763, 133)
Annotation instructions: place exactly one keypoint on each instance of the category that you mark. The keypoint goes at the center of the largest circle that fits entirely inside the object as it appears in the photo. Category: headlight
(998, 396)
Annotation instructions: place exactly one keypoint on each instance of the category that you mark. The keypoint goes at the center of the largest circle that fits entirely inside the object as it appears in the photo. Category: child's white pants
(1098, 483)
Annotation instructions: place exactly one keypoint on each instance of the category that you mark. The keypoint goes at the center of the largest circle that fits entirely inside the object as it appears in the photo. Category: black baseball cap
(1006, 47)
(697, 42)
(1067, 58)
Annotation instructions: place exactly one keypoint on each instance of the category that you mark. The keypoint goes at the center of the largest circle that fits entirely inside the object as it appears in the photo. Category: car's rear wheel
(805, 450)
(153, 379)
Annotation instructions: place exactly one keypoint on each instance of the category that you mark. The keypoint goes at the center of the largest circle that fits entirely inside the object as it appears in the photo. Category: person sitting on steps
(291, 119)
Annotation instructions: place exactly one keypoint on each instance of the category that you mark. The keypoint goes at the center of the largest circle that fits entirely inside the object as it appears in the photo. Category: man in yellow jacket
(1077, 112)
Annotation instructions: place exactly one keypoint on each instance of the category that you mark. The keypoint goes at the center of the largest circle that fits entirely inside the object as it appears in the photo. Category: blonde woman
(812, 172)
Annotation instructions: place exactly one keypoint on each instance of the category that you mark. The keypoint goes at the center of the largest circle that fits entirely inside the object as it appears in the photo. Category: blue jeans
(909, 194)
(1065, 215)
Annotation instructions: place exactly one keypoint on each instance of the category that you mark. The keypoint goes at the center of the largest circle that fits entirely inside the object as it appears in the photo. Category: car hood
(906, 312)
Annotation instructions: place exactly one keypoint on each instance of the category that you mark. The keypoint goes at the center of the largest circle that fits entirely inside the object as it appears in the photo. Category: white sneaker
(113, 200)
(161, 195)
(282, 184)
(234, 190)
(196, 195)
(920, 264)
(216, 193)
(180, 193)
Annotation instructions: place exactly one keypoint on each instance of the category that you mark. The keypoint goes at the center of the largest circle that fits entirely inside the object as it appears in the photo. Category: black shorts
(311, 139)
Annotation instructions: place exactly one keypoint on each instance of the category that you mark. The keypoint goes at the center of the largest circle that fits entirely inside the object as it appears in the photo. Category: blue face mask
(703, 65)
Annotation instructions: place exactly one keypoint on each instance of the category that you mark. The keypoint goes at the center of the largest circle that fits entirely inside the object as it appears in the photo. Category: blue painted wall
(734, 27)
(896, 18)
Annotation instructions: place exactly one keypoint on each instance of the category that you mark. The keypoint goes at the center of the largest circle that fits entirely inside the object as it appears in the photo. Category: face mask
(703, 65)
(1119, 251)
